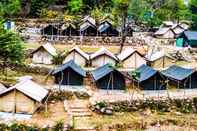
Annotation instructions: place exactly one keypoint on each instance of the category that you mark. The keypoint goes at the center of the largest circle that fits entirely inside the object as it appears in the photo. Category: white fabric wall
(78, 59)
(42, 57)
(134, 61)
(102, 60)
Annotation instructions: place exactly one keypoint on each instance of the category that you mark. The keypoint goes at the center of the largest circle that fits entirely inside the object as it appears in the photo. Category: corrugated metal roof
(86, 25)
(89, 19)
(103, 51)
(72, 65)
(177, 72)
(103, 27)
(29, 88)
(101, 72)
(191, 35)
(146, 72)
(77, 49)
(126, 53)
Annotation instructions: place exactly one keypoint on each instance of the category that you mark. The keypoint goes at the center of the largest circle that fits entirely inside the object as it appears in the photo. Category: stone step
(79, 110)
(80, 114)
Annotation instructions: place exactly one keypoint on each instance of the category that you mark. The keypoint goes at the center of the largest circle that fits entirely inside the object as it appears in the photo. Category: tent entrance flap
(179, 42)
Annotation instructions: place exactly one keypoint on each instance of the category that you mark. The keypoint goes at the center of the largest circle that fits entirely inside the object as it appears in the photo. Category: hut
(88, 29)
(50, 30)
(44, 54)
(106, 29)
(107, 77)
(69, 74)
(102, 57)
(147, 78)
(187, 38)
(165, 33)
(78, 56)
(180, 77)
(159, 60)
(25, 97)
(178, 29)
(69, 30)
(131, 58)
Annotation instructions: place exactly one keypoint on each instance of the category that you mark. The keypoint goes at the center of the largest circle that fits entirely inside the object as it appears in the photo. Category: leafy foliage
(11, 48)
(9, 8)
(75, 6)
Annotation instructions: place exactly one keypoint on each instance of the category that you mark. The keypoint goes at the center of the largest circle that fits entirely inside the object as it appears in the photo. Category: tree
(11, 48)
(9, 8)
(193, 10)
(120, 10)
(38, 5)
(75, 6)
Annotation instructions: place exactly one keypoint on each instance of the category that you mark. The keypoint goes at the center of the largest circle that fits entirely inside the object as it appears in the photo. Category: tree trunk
(123, 31)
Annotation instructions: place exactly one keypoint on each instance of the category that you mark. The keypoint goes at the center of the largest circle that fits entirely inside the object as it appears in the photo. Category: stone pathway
(79, 114)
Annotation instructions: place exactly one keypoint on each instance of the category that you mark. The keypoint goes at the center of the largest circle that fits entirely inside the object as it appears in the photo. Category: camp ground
(44, 54)
(108, 78)
(78, 56)
(25, 97)
(69, 74)
(131, 58)
(180, 78)
(102, 57)
(187, 38)
(159, 60)
(147, 78)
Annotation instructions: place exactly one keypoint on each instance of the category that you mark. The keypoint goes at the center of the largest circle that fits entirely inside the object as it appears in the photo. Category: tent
(88, 29)
(106, 29)
(180, 77)
(69, 74)
(147, 78)
(44, 54)
(159, 60)
(24, 97)
(2, 87)
(131, 58)
(50, 30)
(189, 38)
(78, 56)
(107, 77)
(102, 57)
(165, 32)
(69, 30)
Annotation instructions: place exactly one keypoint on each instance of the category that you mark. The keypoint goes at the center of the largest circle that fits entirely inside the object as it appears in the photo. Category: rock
(178, 113)
(102, 110)
(97, 107)
(108, 112)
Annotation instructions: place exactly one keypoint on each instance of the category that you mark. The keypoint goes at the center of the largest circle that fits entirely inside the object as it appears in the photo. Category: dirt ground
(54, 113)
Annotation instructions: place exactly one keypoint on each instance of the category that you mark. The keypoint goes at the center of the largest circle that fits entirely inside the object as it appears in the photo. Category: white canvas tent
(24, 97)
(78, 56)
(44, 54)
(131, 58)
(159, 59)
(102, 57)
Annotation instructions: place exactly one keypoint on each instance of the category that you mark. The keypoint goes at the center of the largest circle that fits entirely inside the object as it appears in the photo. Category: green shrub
(59, 126)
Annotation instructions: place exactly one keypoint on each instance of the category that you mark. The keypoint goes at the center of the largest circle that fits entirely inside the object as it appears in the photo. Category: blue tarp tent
(181, 77)
(69, 74)
(147, 78)
(106, 77)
